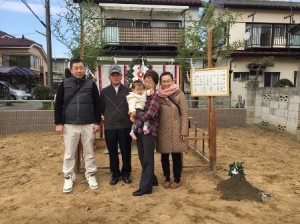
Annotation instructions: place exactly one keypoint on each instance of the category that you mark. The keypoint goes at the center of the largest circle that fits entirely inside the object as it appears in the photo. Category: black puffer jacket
(84, 108)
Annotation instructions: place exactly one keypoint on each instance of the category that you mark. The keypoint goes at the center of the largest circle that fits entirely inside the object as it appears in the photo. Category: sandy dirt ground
(31, 184)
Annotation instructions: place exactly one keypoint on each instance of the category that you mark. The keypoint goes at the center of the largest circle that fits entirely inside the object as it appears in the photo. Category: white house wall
(285, 65)
(237, 31)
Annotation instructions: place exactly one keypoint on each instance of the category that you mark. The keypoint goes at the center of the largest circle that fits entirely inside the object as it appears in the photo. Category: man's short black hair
(76, 60)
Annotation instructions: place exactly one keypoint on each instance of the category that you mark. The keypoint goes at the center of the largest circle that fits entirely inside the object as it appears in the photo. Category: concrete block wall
(17, 121)
(277, 109)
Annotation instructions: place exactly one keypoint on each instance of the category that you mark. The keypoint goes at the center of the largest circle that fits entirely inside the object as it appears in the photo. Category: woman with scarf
(172, 128)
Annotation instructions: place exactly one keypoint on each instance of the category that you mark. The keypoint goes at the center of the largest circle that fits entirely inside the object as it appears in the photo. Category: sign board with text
(209, 82)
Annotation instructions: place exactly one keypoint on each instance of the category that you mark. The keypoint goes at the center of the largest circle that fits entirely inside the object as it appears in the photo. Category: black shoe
(141, 192)
(127, 180)
(114, 180)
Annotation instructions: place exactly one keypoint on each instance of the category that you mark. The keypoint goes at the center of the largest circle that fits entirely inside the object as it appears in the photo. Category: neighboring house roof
(9, 41)
(258, 4)
(151, 2)
(16, 42)
(16, 71)
(3, 34)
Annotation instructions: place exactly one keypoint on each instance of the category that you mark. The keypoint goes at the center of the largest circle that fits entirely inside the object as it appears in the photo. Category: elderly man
(117, 125)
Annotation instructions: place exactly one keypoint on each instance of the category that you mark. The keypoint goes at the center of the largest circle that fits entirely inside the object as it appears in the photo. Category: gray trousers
(146, 146)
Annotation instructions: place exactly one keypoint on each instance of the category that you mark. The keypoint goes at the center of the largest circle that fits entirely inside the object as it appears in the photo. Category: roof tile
(3, 34)
(7, 40)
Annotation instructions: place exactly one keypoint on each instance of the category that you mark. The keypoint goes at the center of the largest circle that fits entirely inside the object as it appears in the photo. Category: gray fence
(33, 116)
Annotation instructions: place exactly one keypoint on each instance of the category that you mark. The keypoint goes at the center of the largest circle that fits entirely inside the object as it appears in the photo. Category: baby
(136, 100)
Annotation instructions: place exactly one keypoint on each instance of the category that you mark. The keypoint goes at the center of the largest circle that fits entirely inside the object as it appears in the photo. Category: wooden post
(209, 65)
(78, 156)
(213, 133)
(196, 135)
(211, 111)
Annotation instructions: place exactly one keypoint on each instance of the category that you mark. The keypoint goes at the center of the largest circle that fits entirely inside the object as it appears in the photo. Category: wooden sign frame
(210, 82)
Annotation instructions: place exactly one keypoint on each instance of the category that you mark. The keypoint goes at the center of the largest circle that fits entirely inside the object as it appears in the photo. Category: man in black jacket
(77, 116)
(117, 125)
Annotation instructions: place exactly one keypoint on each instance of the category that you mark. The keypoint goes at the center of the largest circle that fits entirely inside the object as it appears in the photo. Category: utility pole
(81, 34)
(49, 47)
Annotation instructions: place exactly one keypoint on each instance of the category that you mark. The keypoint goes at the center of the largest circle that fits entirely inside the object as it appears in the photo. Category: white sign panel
(210, 82)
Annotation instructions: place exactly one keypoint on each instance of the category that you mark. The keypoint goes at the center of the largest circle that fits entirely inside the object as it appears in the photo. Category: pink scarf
(167, 92)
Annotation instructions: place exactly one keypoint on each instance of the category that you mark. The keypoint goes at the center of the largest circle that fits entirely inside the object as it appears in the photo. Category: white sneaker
(68, 185)
(91, 180)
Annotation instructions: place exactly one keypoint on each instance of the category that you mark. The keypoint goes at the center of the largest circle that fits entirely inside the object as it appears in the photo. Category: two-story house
(266, 27)
(148, 28)
(59, 66)
(21, 55)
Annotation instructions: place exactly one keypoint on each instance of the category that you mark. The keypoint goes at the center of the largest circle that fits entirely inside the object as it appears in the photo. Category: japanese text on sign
(210, 82)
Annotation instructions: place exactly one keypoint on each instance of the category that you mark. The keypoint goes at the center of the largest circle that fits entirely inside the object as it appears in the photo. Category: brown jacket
(171, 125)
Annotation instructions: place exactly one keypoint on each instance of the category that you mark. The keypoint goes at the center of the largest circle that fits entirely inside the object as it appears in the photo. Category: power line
(2, 2)
(26, 4)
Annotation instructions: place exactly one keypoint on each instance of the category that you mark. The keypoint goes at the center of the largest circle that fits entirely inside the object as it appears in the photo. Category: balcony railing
(271, 36)
(142, 36)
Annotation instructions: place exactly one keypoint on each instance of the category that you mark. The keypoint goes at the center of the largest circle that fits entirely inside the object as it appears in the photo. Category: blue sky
(16, 19)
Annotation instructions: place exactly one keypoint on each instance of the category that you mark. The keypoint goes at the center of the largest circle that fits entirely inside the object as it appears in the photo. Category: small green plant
(42, 93)
(284, 83)
(236, 168)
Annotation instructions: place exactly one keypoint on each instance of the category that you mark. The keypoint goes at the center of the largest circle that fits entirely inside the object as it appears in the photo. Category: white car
(15, 92)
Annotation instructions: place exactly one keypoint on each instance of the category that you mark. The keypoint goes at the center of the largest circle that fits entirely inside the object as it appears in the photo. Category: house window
(271, 78)
(5, 60)
(125, 23)
(172, 24)
(35, 62)
(279, 30)
(142, 24)
(267, 35)
(240, 76)
(111, 23)
(16, 60)
(122, 23)
(253, 72)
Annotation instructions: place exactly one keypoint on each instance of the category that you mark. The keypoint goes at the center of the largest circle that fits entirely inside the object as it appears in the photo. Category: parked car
(15, 92)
